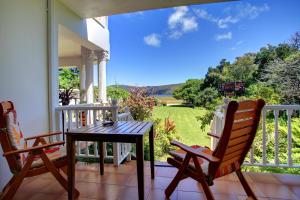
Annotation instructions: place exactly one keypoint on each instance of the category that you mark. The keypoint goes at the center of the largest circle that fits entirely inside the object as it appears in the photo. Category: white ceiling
(97, 8)
(69, 43)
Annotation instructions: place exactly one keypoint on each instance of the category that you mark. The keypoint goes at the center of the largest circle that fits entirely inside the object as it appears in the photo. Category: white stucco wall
(23, 66)
(88, 29)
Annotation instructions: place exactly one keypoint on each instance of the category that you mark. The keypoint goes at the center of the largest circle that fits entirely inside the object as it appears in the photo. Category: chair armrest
(214, 135)
(31, 149)
(194, 152)
(43, 135)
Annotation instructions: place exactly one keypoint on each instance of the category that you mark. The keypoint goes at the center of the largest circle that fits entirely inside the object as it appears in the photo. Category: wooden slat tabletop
(119, 127)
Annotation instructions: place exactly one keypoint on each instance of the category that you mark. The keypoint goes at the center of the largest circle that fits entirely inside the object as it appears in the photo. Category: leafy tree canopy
(116, 92)
(68, 81)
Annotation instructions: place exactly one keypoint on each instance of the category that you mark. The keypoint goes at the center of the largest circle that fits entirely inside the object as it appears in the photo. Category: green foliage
(207, 98)
(116, 92)
(241, 70)
(263, 91)
(140, 104)
(68, 81)
(164, 134)
(189, 90)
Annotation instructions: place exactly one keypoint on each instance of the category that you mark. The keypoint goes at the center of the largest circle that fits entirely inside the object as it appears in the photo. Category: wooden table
(121, 131)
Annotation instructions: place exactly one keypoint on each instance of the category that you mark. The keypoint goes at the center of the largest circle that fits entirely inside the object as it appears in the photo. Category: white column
(102, 57)
(88, 58)
(82, 84)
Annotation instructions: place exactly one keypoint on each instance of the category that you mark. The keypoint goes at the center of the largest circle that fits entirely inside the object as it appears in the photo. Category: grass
(169, 100)
(186, 124)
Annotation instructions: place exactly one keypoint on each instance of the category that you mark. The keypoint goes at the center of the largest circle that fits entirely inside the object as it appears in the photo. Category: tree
(214, 76)
(207, 98)
(295, 40)
(242, 69)
(263, 91)
(285, 76)
(68, 81)
(116, 92)
(189, 90)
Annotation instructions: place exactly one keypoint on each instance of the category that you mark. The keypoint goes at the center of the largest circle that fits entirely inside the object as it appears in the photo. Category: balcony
(120, 183)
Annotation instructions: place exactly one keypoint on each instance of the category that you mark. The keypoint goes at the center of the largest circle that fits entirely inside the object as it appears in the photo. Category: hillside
(161, 90)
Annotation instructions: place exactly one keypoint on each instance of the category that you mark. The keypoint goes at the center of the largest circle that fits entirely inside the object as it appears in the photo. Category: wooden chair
(24, 161)
(204, 165)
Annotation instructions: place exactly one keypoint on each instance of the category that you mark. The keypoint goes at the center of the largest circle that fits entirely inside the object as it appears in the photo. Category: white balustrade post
(289, 136)
(264, 135)
(276, 113)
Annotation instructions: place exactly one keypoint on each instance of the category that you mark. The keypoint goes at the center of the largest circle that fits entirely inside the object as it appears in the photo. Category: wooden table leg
(71, 166)
(140, 166)
(101, 157)
(151, 144)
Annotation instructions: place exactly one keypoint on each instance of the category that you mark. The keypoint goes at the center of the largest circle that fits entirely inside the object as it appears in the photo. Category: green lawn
(186, 124)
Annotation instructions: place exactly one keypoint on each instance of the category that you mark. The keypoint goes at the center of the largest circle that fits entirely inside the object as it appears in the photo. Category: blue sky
(172, 45)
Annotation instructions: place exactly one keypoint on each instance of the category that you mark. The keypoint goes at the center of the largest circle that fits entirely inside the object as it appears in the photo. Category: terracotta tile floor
(120, 183)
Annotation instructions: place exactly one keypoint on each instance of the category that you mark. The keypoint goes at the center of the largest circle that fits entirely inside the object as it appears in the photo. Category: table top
(128, 128)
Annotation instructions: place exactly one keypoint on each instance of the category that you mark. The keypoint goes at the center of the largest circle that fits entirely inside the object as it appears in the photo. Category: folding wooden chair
(24, 161)
(205, 165)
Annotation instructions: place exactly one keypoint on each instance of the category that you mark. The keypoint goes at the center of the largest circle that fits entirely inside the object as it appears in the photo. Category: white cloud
(152, 40)
(234, 14)
(181, 21)
(225, 36)
(237, 44)
(250, 11)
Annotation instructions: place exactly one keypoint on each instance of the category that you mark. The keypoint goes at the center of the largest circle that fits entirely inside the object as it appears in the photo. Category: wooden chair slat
(238, 140)
(234, 154)
(241, 132)
(244, 115)
(245, 105)
(242, 124)
(236, 147)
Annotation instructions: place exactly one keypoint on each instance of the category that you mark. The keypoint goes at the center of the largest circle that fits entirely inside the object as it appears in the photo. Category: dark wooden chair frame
(37, 149)
(234, 131)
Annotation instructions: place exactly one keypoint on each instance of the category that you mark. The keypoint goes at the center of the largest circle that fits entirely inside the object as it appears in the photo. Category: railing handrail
(282, 107)
(86, 106)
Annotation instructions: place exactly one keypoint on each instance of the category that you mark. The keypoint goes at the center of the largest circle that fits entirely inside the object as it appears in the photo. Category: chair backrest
(241, 123)
(14, 161)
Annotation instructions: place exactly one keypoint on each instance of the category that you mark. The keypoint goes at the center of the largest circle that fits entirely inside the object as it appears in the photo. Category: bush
(164, 134)
(140, 104)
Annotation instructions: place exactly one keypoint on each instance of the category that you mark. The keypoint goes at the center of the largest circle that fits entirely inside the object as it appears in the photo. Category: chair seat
(180, 154)
(53, 155)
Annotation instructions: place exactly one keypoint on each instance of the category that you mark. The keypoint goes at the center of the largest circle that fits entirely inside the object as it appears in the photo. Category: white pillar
(88, 58)
(102, 57)
(82, 84)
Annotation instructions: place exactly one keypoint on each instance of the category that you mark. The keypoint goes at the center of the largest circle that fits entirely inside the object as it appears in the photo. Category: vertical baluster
(77, 118)
(78, 147)
(103, 115)
(94, 116)
(289, 136)
(276, 113)
(264, 139)
(69, 119)
(252, 154)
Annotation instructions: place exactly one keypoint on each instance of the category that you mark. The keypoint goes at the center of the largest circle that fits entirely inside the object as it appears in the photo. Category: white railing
(217, 125)
(76, 116)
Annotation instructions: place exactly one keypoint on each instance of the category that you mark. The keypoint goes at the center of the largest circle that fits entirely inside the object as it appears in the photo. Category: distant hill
(160, 90)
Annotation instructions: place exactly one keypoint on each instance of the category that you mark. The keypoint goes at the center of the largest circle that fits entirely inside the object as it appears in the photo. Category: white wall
(88, 29)
(23, 66)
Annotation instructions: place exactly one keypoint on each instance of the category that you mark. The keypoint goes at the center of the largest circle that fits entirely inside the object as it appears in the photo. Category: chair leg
(245, 185)
(51, 167)
(16, 181)
(178, 177)
(201, 179)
